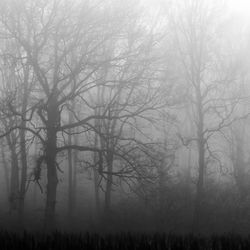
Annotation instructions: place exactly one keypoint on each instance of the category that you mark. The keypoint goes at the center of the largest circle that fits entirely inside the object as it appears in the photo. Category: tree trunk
(74, 178)
(51, 181)
(50, 154)
(71, 171)
(240, 166)
(34, 198)
(96, 160)
(96, 185)
(108, 185)
(200, 191)
(70, 180)
(198, 209)
(161, 193)
(51, 190)
(14, 176)
(96, 181)
(6, 171)
(25, 97)
(23, 172)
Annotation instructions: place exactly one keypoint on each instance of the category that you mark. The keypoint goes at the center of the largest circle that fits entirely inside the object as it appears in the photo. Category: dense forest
(124, 116)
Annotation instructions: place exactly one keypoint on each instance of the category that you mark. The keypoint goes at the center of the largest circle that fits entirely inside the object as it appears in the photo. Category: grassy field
(124, 241)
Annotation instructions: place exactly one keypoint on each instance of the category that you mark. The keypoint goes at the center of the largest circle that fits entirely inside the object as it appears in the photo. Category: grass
(124, 241)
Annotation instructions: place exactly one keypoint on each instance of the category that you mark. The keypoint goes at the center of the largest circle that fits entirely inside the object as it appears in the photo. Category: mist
(125, 116)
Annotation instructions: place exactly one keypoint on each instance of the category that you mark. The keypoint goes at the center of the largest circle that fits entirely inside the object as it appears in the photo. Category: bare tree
(63, 43)
(207, 80)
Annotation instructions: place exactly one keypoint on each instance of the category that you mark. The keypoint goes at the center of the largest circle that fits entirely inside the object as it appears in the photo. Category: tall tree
(63, 43)
(207, 81)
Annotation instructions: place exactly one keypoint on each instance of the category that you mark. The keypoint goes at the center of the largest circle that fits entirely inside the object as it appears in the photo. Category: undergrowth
(123, 241)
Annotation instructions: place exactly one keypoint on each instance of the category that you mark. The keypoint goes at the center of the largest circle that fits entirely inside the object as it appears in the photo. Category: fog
(125, 116)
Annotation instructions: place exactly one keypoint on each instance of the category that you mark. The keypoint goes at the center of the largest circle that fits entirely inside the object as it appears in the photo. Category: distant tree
(209, 87)
(15, 90)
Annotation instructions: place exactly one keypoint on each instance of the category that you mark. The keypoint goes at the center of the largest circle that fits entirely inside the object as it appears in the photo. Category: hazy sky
(241, 6)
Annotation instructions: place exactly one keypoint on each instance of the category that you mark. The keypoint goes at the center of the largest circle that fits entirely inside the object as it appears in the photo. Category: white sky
(240, 7)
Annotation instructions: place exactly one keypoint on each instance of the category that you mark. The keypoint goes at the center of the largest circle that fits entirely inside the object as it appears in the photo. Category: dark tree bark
(109, 183)
(50, 156)
(14, 175)
(23, 150)
(6, 170)
(70, 180)
(198, 208)
(74, 177)
(96, 181)
(72, 161)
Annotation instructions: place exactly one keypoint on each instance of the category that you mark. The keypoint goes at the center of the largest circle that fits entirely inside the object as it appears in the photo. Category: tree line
(153, 100)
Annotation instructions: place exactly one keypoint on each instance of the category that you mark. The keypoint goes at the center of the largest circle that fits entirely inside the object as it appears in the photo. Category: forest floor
(124, 241)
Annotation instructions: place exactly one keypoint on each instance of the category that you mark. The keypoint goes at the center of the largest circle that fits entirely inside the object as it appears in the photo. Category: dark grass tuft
(124, 241)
